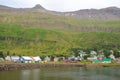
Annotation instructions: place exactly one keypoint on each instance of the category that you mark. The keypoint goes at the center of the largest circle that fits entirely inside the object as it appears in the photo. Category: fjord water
(64, 73)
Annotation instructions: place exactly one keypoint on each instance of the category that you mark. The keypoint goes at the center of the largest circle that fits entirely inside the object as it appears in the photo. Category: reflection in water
(30, 74)
(36, 74)
(25, 74)
(73, 73)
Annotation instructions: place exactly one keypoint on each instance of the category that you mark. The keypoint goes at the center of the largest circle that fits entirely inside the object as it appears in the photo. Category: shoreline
(23, 66)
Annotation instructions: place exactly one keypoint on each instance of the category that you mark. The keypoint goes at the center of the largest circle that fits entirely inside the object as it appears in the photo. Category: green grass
(46, 34)
(59, 23)
(23, 40)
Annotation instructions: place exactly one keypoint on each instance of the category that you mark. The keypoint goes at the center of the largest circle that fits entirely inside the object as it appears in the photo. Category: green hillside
(59, 23)
(24, 40)
(45, 33)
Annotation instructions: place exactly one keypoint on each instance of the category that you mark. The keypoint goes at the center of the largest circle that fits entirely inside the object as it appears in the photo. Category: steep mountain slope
(22, 40)
(37, 31)
(101, 14)
(101, 20)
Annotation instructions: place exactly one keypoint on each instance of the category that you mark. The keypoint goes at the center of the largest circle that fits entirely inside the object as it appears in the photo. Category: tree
(8, 53)
(14, 54)
(1, 54)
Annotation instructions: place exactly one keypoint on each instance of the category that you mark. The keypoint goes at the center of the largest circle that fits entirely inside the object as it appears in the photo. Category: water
(73, 73)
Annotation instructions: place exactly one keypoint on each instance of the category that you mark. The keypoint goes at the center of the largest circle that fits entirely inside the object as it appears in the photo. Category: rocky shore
(8, 67)
(22, 66)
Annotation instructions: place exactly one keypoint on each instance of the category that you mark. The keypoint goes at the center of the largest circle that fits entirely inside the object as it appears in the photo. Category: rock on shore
(8, 67)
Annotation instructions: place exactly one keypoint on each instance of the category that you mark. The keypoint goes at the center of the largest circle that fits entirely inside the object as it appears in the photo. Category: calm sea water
(73, 73)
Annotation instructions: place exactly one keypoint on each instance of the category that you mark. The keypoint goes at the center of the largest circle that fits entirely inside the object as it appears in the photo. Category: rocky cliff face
(101, 14)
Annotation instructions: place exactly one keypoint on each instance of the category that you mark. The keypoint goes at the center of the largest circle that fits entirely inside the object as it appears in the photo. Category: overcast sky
(62, 5)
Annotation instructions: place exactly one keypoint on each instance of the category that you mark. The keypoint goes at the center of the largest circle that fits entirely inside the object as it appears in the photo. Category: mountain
(38, 31)
(87, 20)
(99, 14)
(94, 14)
(38, 6)
(6, 9)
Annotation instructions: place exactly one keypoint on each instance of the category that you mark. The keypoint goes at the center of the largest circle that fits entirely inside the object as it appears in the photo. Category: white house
(71, 58)
(92, 58)
(15, 58)
(1, 59)
(37, 59)
(26, 59)
(8, 58)
(77, 58)
(82, 54)
(93, 53)
(112, 56)
(56, 59)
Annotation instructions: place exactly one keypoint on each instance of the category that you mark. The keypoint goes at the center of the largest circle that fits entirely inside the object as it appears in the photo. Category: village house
(93, 55)
(71, 58)
(8, 58)
(112, 55)
(15, 58)
(1, 59)
(100, 58)
(82, 54)
(118, 60)
(36, 59)
(92, 58)
(47, 59)
(56, 59)
(26, 59)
